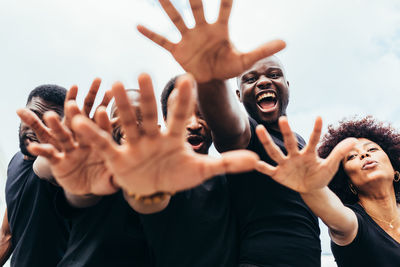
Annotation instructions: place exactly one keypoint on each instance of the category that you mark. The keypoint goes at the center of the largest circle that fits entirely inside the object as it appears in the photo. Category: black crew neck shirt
(195, 229)
(372, 246)
(107, 234)
(38, 234)
(276, 227)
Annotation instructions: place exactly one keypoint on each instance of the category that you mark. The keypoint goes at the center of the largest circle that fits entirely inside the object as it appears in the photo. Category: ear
(287, 83)
(238, 95)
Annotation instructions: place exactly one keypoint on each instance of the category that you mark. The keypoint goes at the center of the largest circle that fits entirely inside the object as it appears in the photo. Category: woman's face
(367, 164)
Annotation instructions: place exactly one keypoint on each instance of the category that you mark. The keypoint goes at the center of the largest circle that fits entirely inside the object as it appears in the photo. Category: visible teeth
(266, 95)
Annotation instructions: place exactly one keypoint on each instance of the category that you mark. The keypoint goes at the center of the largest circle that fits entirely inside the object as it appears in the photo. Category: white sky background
(342, 56)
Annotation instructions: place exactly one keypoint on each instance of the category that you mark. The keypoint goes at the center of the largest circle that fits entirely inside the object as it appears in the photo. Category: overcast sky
(342, 56)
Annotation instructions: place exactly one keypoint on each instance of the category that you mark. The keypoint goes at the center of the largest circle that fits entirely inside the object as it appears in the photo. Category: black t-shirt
(39, 236)
(195, 229)
(107, 234)
(276, 226)
(372, 246)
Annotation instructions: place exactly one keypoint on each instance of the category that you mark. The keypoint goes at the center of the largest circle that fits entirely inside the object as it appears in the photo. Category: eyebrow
(267, 70)
(364, 145)
(367, 143)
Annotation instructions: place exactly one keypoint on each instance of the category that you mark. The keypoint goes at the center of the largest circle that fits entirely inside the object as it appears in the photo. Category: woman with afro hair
(352, 185)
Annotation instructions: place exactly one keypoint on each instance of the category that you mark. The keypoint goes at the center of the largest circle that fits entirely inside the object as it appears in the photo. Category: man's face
(26, 134)
(264, 91)
(198, 134)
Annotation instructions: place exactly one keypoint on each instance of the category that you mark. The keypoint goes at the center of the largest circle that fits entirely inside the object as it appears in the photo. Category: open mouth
(196, 141)
(267, 101)
(29, 138)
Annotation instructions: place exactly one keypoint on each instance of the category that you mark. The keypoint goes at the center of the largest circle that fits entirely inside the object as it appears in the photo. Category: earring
(396, 176)
(353, 190)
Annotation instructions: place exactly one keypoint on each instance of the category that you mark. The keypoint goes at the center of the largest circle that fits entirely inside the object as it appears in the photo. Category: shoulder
(17, 159)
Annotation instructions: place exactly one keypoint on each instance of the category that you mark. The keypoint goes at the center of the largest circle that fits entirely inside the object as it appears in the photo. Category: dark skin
(196, 130)
(150, 161)
(266, 76)
(26, 134)
(5, 240)
(230, 126)
(207, 52)
(198, 134)
(70, 160)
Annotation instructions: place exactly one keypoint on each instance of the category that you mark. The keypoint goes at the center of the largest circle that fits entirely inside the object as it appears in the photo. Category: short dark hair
(379, 132)
(50, 93)
(166, 93)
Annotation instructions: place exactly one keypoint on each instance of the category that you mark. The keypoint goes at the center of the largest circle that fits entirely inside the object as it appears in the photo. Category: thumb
(232, 162)
(265, 50)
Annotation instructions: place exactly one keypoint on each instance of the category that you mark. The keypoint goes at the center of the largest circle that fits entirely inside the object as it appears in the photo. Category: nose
(264, 83)
(364, 155)
(194, 124)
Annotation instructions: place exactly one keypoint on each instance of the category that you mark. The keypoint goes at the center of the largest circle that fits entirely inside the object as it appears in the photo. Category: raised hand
(206, 50)
(302, 171)
(74, 165)
(150, 160)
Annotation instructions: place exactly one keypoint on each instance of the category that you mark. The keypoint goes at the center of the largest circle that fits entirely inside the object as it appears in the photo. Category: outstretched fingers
(265, 50)
(71, 109)
(273, 151)
(148, 105)
(91, 96)
(106, 99)
(33, 121)
(99, 139)
(157, 38)
(104, 103)
(102, 120)
(315, 136)
(224, 11)
(174, 15)
(181, 106)
(47, 151)
(62, 135)
(126, 113)
(72, 93)
(198, 11)
(289, 138)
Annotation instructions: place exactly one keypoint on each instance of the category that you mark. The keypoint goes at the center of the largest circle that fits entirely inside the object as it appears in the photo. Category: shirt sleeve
(359, 236)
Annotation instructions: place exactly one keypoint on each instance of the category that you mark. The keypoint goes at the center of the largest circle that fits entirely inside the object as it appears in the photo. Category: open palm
(150, 160)
(74, 165)
(302, 171)
(206, 50)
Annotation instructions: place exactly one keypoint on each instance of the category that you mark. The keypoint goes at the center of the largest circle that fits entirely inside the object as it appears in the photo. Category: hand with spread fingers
(206, 50)
(73, 164)
(302, 171)
(151, 161)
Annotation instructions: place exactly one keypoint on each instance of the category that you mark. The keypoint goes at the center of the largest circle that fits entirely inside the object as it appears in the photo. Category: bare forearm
(79, 201)
(5, 250)
(341, 221)
(42, 169)
(220, 108)
(5, 241)
(143, 207)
